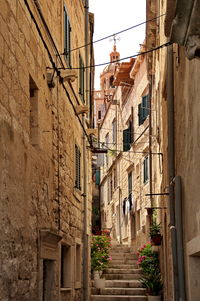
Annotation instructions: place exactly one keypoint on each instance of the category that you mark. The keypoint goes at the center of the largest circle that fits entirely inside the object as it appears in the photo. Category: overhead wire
(122, 59)
(111, 35)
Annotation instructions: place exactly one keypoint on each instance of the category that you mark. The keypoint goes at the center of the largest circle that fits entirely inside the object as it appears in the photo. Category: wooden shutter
(67, 37)
(140, 114)
(81, 77)
(126, 140)
(146, 169)
(77, 167)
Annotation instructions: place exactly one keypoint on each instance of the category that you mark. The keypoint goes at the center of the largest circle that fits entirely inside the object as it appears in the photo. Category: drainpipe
(85, 166)
(87, 50)
(120, 215)
(171, 165)
(179, 230)
(85, 221)
(150, 145)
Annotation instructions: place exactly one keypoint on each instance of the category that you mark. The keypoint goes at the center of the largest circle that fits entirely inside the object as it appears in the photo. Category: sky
(112, 16)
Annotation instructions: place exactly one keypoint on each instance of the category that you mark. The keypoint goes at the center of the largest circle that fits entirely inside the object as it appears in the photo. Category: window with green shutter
(145, 169)
(143, 109)
(128, 137)
(77, 168)
(67, 37)
(81, 78)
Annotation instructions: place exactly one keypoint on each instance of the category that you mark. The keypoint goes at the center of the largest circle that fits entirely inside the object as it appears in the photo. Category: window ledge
(65, 289)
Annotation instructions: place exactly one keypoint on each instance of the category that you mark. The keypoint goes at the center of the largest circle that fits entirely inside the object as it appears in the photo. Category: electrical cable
(122, 59)
(135, 152)
(117, 33)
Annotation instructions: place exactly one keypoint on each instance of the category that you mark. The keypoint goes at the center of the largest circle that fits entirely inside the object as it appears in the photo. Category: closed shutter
(145, 106)
(146, 169)
(77, 168)
(126, 140)
(67, 37)
(97, 176)
(81, 78)
(140, 113)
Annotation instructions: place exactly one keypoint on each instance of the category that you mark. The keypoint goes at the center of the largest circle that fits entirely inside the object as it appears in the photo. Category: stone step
(123, 261)
(122, 276)
(122, 266)
(123, 283)
(123, 255)
(122, 271)
(117, 298)
(120, 249)
(123, 291)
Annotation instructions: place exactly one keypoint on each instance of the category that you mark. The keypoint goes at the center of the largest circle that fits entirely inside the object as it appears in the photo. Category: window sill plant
(155, 234)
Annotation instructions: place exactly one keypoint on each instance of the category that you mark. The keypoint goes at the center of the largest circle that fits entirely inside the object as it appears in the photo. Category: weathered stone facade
(123, 183)
(45, 216)
(175, 91)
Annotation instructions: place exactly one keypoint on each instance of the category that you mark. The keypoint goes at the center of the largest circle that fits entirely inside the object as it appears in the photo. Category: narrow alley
(99, 150)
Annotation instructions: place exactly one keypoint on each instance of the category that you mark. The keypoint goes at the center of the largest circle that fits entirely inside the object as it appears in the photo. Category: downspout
(85, 177)
(179, 230)
(85, 222)
(150, 144)
(171, 165)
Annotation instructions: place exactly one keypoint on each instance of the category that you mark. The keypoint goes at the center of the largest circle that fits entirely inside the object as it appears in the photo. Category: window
(146, 170)
(99, 114)
(78, 265)
(77, 168)
(81, 78)
(66, 267)
(34, 112)
(48, 280)
(130, 179)
(67, 37)
(128, 137)
(143, 109)
(114, 131)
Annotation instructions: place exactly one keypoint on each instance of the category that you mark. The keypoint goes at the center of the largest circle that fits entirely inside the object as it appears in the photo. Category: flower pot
(154, 298)
(97, 274)
(156, 239)
(99, 283)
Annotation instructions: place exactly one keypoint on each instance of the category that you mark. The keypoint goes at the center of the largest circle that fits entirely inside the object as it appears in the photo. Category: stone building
(173, 71)
(45, 182)
(124, 132)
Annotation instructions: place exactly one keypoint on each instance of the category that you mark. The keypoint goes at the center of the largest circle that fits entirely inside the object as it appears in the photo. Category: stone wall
(38, 132)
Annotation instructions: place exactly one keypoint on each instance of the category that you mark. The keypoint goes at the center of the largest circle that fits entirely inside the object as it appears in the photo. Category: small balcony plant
(148, 261)
(155, 234)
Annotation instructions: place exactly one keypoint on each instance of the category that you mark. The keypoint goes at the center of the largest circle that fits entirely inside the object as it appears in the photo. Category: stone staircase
(122, 278)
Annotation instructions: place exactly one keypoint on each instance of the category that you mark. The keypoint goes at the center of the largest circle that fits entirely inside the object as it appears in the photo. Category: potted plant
(155, 234)
(99, 258)
(151, 279)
